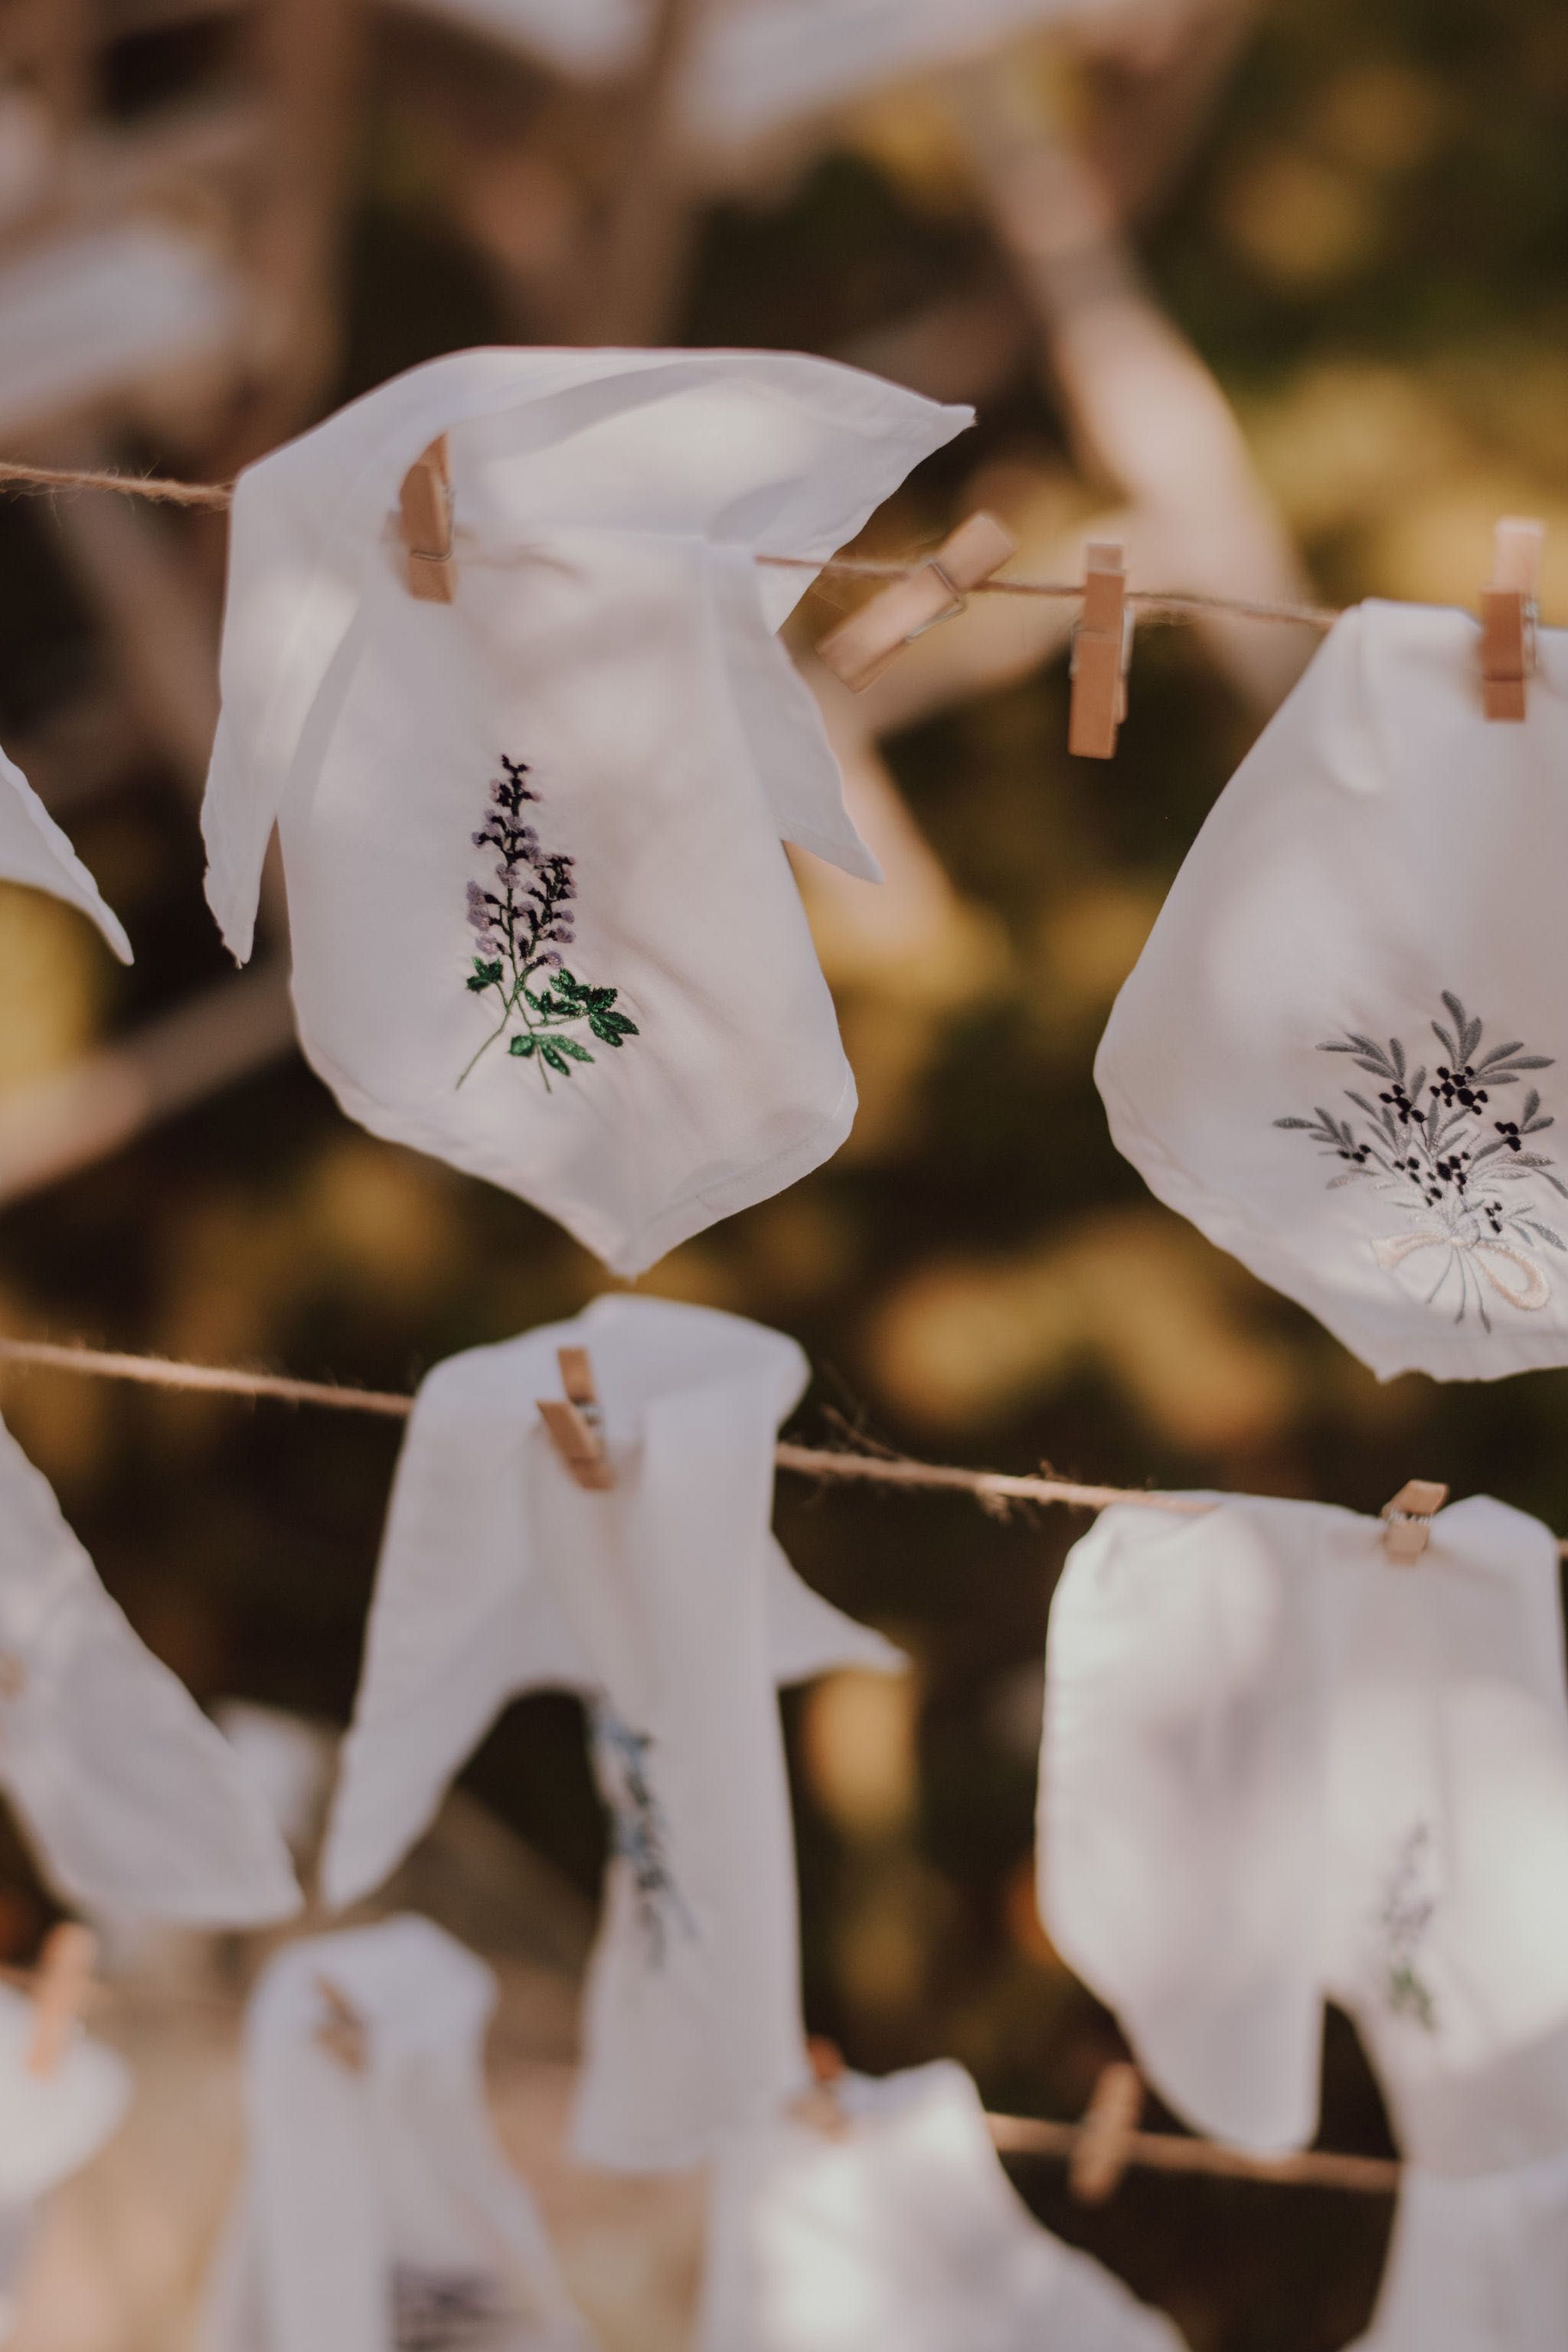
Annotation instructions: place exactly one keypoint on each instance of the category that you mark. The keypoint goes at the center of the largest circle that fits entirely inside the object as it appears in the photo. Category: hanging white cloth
(542, 923)
(377, 2213)
(50, 2126)
(1343, 1052)
(668, 1602)
(1278, 1769)
(902, 2231)
(33, 850)
(133, 1801)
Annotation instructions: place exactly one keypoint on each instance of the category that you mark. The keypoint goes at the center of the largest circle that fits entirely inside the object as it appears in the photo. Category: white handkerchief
(133, 1801)
(1278, 1769)
(377, 2213)
(33, 850)
(904, 2232)
(667, 1602)
(541, 922)
(49, 2126)
(1183, 1783)
(1343, 1052)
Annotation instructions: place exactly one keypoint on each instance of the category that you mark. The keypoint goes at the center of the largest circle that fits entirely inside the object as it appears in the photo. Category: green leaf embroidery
(523, 914)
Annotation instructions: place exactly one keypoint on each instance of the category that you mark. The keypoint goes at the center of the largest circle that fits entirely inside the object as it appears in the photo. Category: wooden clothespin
(1508, 609)
(426, 499)
(1105, 2135)
(860, 648)
(1408, 1519)
(577, 1426)
(61, 1981)
(342, 2029)
(1101, 653)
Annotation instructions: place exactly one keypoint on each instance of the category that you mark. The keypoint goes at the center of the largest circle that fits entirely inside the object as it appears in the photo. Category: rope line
(995, 1490)
(1364, 2175)
(1026, 2135)
(1153, 604)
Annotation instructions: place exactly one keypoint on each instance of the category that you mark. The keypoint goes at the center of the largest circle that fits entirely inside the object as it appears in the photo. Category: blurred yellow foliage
(51, 978)
(1088, 943)
(1131, 1292)
(1347, 438)
(887, 1937)
(1386, 116)
(858, 1747)
(383, 1219)
(1299, 220)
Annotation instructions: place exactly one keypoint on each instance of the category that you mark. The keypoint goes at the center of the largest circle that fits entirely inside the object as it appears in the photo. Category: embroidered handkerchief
(33, 850)
(901, 2231)
(668, 1604)
(1278, 1769)
(132, 1800)
(1343, 1052)
(377, 2213)
(541, 922)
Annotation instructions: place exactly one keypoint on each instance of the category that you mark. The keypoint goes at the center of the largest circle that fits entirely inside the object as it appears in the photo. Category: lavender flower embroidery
(520, 927)
(1465, 1182)
(638, 1829)
(1406, 1919)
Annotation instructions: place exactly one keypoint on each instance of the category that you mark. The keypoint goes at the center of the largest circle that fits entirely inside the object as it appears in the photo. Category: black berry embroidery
(1466, 1180)
(637, 1830)
(521, 924)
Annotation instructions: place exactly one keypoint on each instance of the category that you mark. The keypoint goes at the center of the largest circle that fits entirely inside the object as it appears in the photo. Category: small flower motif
(521, 928)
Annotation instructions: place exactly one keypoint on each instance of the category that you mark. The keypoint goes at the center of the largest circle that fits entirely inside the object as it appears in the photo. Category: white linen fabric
(377, 2213)
(1343, 1049)
(35, 851)
(133, 1803)
(901, 2230)
(50, 2126)
(668, 1602)
(542, 923)
(1278, 1769)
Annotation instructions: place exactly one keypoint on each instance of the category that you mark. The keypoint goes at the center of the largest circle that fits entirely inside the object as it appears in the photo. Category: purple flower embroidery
(520, 925)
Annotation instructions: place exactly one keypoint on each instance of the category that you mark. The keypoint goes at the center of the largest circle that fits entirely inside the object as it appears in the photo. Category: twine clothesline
(995, 1490)
(1025, 2135)
(1150, 603)
(990, 1488)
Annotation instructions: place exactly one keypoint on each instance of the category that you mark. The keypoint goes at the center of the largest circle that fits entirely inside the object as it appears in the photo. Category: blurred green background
(1369, 250)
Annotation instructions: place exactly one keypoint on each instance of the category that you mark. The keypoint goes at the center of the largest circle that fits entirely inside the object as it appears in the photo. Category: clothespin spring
(1408, 1527)
(860, 648)
(951, 611)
